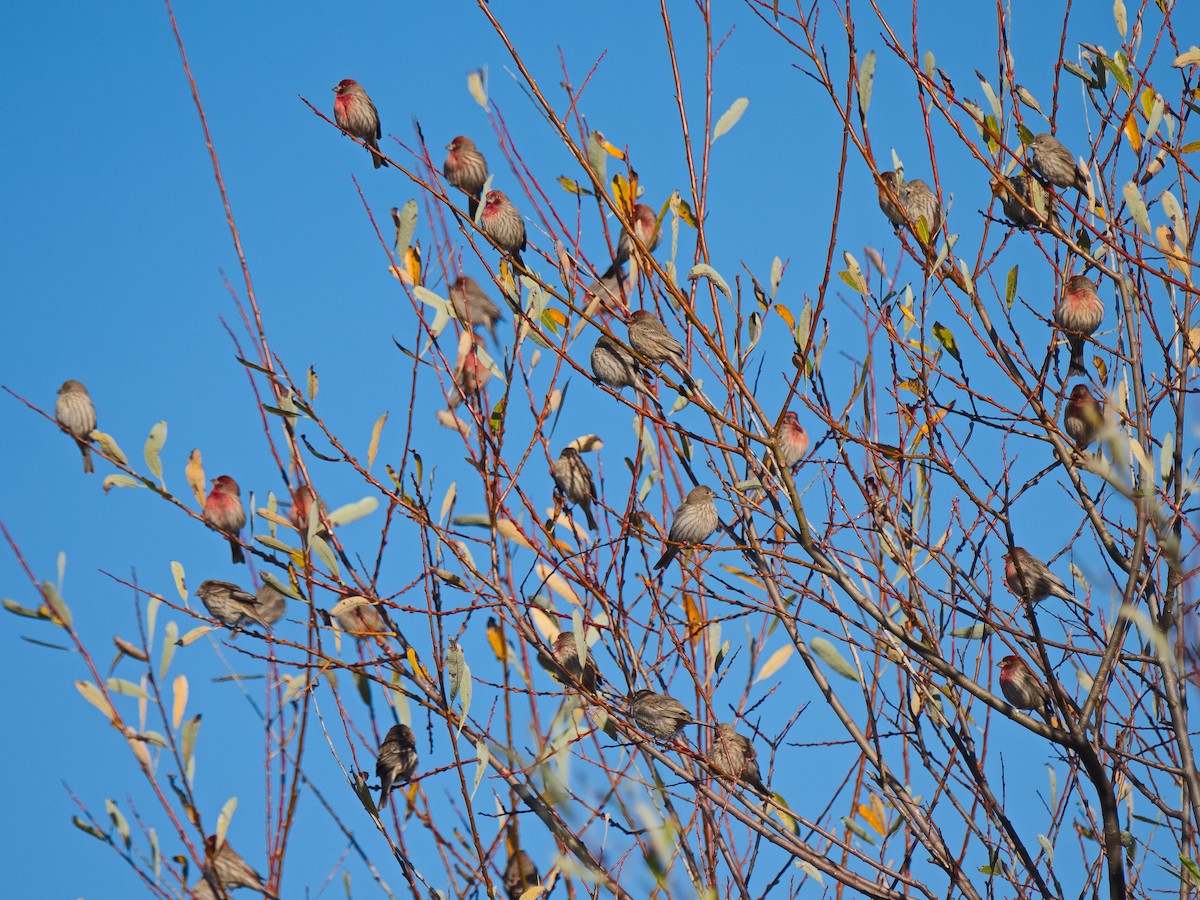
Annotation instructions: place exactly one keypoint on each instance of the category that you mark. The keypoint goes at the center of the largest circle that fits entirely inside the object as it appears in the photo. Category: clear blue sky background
(111, 275)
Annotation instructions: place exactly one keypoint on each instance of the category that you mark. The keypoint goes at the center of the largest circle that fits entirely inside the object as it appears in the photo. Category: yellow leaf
(508, 530)
(412, 262)
(622, 193)
(1176, 258)
(610, 148)
(496, 641)
(1133, 133)
(775, 662)
(695, 622)
(871, 818)
(181, 699)
(477, 86)
(1147, 98)
(680, 207)
(195, 476)
(373, 447)
(745, 576)
(557, 316)
(556, 583)
(933, 422)
(572, 187)
(543, 623)
(786, 315)
(416, 663)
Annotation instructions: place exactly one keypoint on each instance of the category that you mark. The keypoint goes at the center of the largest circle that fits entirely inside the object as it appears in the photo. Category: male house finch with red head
(1024, 187)
(1079, 312)
(503, 224)
(228, 603)
(302, 509)
(1054, 162)
(223, 511)
(1031, 579)
(228, 869)
(397, 760)
(791, 439)
(649, 338)
(75, 412)
(694, 523)
(566, 654)
(472, 306)
(645, 228)
(574, 479)
(732, 755)
(356, 115)
(659, 715)
(466, 169)
(520, 874)
(1022, 688)
(1083, 417)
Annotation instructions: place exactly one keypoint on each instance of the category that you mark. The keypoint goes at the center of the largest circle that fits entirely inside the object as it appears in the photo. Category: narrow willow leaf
(121, 481)
(755, 328)
(1010, 287)
(109, 447)
(1047, 846)
(92, 695)
(992, 99)
(314, 384)
(465, 692)
(352, 512)
(168, 649)
(730, 117)
(1029, 100)
(179, 690)
(1137, 206)
(508, 530)
(325, 553)
(703, 271)
(194, 635)
(58, 606)
(775, 662)
(225, 817)
(477, 87)
(188, 744)
(118, 820)
(829, 655)
(126, 688)
(946, 338)
(597, 156)
(482, 755)
(177, 577)
(18, 610)
(866, 82)
(1120, 18)
(776, 276)
(976, 632)
(857, 829)
(88, 828)
(454, 667)
(1179, 223)
(373, 447)
(154, 445)
(1166, 456)
(406, 225)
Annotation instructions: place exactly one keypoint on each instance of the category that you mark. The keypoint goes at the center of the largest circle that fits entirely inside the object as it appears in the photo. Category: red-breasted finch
(229, 869)
(615, 366)
(302, 505)
(574, 479)
(645, 228)
(228, 603)
(920, 202)
(1021, 687)
(1031, 579)
(659, 715)
(75, 412)
(732, 755)
(566, 654)
(1031, 191)
(223, 511)
(1055, 163)
(890, 209)
(1079, 312)
(791, 439)
(270, 604)
(1083, 417)
(650, 339)
(503, 224)
(472, 306)
(520, 874)
(356, 115)
(470, 374)
(466, 169)
(397, 760)
(694, 523)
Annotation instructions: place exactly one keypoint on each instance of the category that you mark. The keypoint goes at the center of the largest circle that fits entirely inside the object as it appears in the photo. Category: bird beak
(334, 88)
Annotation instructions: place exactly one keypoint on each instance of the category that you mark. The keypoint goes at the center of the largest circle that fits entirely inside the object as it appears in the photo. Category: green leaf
(482, 755)
(154, 445)
(191, 729)
(829, 655)
(857, 829)
(776, 276)
(866, 82)
(976, 632)
(18, 610)
(755, 327)
(1029, 100)
(730, 117)
(118, 821)
(946, 338)
(1190, 867)
(1080, 73)
(597, 156)
(118, 480)
(406, 225)
(177, 576)
(170, 635)
(88, 828)
(1120, 18)
(703, 271)
(109, 447)
(454, 667)
(1010, 286)
(128, 688)
(56, 603)
(352, 512)
(1137, 206)
(325, 553)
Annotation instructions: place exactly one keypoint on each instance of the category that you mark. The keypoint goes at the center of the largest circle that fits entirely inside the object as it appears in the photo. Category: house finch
(302, 504)
(1031, 579)
(228, 869)
(791, 439)
(659, 715)
(920, 202)
(1022, 688)
(520, 875)
(575, 480)
(891, 180)
(613, 365)
(1054, 162)
(503, 224)
(1079, 312)
(75, 412)
(472, 306)
(611, 292)
(228, 603)
(650, 339)
(694, 522)
(270, 604)
(566, 655)
(362, 620)
(470, 374)
(356, 115)
(466, 169)
(223, 511)
(1083, 417)
(645, 228)
(1029, 189)
(397, 760)
(732, 755)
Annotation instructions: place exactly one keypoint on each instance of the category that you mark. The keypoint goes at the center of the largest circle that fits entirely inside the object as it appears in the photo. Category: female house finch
(659, 715)
(75, 412)
(223, 511)
(1054, 162)
(356, 115)
(362, 620)
(566, 654)
(226, 866)
(645, 228)
(791, 439)
(1022, 688)
(270, 604)
(574, 479)
(1025, 187)
(520, 874)
(1031, 579)
(472, 306)
(694, 523)
(920, 202)
(1079, 312)
(1083, 417)
(470, 374)
(890, 209)
(228, 603)
(650, 339)
(615, 366)
(732, 755)
(397, 760)
(503, 224)
(466, 169)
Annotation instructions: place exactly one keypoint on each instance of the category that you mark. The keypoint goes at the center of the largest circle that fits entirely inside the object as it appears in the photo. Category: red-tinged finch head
(345, 85)
(224, 484)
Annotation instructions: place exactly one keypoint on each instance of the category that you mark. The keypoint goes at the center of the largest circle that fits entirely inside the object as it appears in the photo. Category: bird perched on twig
(694, 523)
(574, 479)
(1055, 163)
(1031, 579)
(466, 169)
(356, 115)
(733, 756)
(397, 760)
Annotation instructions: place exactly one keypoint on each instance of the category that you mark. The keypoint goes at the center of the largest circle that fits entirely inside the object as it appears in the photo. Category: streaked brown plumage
(472, 306)
(520, 874)
(1055, 163)
(694, 523)
(466, 169)
(356, 115)
(75, 412)
(397, 760)
(1031, 579)
(503, 224)
(659, 715)
(1078, 312)
(1031, 191)
(1083, 416)
(574, 478)
(733, 756)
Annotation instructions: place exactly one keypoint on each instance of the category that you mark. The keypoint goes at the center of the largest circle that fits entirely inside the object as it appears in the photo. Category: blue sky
(112, 269)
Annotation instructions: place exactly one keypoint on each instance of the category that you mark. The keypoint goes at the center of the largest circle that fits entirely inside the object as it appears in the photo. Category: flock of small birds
(1028, 201)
